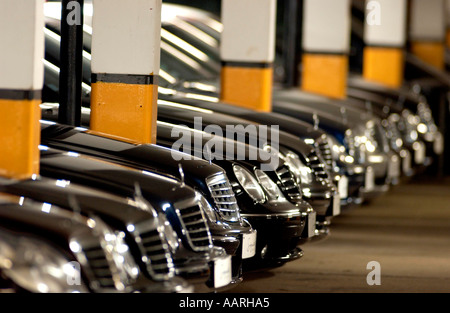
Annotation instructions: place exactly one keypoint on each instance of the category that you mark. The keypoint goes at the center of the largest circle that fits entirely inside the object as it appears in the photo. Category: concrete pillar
(326, 44)
(21, 82)
(247, 53)
(126, 38)
(428, 31)
(385, 38)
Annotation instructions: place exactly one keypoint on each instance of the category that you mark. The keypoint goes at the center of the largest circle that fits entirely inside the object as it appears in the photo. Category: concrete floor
(407, 231)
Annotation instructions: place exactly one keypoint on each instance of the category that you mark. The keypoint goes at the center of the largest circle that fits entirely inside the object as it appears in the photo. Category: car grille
(198, 234)
(156, 249)
(223, 196)
(100, 267)
(289, 185)
(394, 135)
(325, 153)
(317, 165)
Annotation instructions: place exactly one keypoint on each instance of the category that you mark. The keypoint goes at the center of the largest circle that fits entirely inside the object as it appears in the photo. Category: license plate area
(222, 271)
(249, 245)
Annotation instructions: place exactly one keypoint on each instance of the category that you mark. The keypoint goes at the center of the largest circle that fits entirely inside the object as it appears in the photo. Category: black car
(229, 230)
(183, 207)
(198, 82)
(411, 112)
(270, 196)
(47, 249)
(341, 172)
(149, 236)
(51, 83)
(63, 136)
(320, 191)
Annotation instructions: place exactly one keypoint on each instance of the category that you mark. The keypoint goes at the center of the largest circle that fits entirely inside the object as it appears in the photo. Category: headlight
(170, 234)
(207, 208)
(302, 173)
(249, 183)
(37, 267)
(272, 190)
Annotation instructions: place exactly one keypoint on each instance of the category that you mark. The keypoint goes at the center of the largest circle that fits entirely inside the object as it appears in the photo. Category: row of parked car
(107, 215)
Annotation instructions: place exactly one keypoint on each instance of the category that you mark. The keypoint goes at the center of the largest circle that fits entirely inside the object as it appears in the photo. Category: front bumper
(240, 246)
(278, 237)
(215, 276)
(376, 179)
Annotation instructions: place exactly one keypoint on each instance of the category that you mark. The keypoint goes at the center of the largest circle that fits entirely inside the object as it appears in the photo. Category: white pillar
(126, 38)
(326, 44)
(21, 82)
(247, 52)
(385, 30)
(428, 31)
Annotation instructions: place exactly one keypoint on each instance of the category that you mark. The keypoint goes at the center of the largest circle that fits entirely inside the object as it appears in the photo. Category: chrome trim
(154, 248)
(288, 183)
(102, 272)
(223, 196)
(193, 228)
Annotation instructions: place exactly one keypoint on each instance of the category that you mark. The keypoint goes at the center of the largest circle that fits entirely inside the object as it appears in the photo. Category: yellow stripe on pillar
(430, 52)
(384, 65)
(125, 110)
(247, 51)
(325, 74)
(126, 38)
(21, 81)
(20, 137)
(248, 87)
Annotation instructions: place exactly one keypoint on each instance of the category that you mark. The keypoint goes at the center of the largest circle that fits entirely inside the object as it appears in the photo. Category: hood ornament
(139, 198)
(316, 121)
(75, 206)
(344, 115)
(208, 153)
(181, 171)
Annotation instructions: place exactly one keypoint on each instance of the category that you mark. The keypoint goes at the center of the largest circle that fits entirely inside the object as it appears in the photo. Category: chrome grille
(325, 153)
(156, 250)
(100, 267)
(393, 135)
(317, 165)
(223, 196)
(198, 234)
(288, 183)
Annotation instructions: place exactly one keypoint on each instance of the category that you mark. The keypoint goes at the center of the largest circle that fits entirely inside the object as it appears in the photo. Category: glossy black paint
(115, 211)
(291, 215)
(156, 159)
(323, 189)
(24, 217)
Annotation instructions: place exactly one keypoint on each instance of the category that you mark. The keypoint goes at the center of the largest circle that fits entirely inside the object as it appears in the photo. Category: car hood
(89, 201)
(114, 178)
(55, 225)
(145, 156)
